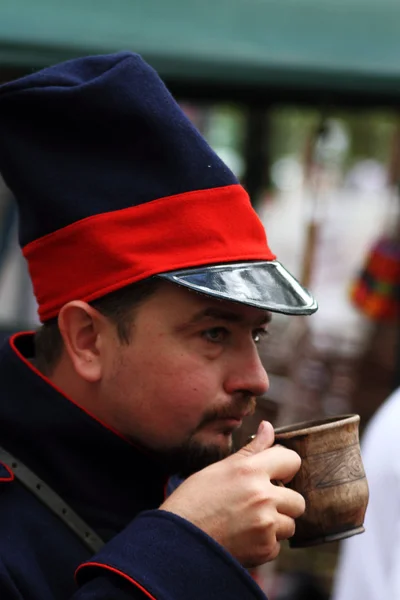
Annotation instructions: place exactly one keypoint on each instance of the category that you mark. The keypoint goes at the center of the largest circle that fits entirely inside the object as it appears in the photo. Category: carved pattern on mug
(334, 468)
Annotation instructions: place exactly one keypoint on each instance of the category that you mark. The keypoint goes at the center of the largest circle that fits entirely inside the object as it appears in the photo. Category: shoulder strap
(52, 501)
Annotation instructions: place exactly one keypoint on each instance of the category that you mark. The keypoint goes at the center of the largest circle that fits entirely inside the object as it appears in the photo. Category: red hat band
(102, 253)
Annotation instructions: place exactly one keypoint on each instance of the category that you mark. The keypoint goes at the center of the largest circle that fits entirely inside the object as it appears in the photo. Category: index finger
(277, 462)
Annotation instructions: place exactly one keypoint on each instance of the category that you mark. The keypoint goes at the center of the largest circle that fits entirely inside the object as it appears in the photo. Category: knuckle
(291, 528)
(286, 530)
(269, 552)
(262, 492)
(257, 487)
(266, 546)
(266, 498)
(243, 469)
(276, 551)
(268, 521)
(264, 525)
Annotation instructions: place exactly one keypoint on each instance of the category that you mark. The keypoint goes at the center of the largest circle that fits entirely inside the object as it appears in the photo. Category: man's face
(188, 377)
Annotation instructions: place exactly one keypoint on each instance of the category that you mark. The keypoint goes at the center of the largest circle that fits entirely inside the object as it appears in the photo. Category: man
(154, 282)
(369, 565)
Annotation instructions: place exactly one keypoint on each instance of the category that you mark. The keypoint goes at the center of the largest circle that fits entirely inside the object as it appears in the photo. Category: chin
(223, 438)
(201, 453)
(201, 449)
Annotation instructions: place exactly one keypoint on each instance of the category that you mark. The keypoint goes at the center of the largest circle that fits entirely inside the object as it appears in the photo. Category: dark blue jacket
(116, 489)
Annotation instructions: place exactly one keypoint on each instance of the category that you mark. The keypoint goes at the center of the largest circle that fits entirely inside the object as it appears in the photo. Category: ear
(81, 327)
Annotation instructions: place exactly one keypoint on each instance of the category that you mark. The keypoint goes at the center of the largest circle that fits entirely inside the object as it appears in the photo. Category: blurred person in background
(154, 283)
(369, 564)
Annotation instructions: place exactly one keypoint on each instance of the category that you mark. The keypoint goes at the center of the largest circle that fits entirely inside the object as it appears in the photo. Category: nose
(247, 375)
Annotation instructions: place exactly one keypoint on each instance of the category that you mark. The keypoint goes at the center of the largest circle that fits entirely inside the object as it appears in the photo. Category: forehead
(185, 303)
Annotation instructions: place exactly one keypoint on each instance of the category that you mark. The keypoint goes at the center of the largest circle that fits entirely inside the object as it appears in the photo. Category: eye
(216, 334)
(259, 334)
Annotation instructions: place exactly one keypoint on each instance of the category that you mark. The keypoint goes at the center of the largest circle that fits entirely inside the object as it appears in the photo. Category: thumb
(263, 439)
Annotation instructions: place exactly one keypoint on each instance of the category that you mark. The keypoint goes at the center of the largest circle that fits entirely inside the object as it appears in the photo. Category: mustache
(234, 410)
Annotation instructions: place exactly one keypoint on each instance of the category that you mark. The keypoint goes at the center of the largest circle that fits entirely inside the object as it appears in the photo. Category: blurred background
(300, 98)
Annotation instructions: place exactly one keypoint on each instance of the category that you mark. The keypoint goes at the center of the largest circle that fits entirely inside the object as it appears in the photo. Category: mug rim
(316, 425)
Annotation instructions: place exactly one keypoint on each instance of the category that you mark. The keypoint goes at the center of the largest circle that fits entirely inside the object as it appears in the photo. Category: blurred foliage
(369, 131)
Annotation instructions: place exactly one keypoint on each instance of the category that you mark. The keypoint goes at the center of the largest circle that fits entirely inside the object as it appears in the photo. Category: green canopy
(350, 46)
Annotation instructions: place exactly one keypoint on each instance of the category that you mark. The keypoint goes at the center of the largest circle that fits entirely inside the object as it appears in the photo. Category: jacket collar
(104, 478)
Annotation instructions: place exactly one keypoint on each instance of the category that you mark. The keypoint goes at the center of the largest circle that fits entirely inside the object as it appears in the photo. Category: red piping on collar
(121, 573)
(11, 474)
(59, 390)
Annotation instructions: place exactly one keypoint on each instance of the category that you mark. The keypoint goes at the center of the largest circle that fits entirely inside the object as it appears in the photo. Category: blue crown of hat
(97, 134)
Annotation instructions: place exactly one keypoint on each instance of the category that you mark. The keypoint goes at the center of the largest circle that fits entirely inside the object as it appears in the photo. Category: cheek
(182, 388)
(167, 393)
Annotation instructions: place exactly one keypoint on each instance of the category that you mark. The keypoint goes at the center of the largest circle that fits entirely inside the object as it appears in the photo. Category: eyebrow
(224, 315)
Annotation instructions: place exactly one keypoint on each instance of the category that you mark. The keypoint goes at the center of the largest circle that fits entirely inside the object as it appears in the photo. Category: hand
(235, 502)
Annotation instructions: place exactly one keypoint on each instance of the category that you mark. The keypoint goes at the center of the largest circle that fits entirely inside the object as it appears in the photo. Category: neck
(83, 393)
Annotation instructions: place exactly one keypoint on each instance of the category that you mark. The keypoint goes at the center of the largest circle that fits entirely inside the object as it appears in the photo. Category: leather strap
(52, 501)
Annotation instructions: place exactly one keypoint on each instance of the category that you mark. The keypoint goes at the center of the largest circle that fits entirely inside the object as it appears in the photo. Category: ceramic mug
(331, 478)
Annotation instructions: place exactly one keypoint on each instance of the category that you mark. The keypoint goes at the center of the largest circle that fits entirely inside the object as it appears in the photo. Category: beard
(191, 455)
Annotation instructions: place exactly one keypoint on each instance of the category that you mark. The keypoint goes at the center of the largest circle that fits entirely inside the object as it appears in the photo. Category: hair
(118, 306)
